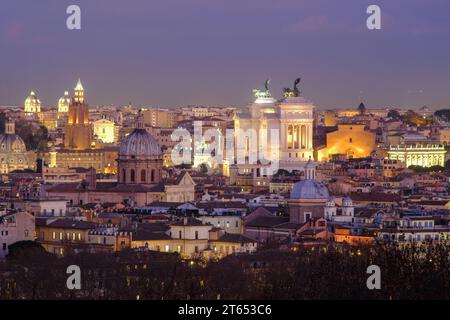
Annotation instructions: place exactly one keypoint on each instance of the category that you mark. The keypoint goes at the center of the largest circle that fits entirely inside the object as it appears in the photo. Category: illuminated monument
(32, 103)
(292, 117)
(78, 131)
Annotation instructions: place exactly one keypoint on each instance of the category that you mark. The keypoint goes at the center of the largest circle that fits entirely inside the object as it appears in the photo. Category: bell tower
(78, 130)
(79, 92)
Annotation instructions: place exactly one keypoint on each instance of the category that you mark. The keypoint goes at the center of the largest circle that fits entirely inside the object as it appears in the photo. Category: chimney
(216, 233)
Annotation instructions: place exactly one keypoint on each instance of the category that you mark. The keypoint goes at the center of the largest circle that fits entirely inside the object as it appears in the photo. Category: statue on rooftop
(263, 93)
(295, 92)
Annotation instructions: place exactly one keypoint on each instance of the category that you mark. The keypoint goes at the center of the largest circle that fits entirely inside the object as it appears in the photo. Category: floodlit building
(78, 130)
(351, 140)
(288, 124)
(106, 131)
(158, 118)
(424, 155)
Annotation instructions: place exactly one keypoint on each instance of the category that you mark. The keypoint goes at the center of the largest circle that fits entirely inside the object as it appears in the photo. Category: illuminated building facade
(49, 119)
(102, 160)
(351, 140)
(418, 155)
(106, 131)
(291, 117)
(78, 131)
(330, 118)
(32, 104)
(158, 118)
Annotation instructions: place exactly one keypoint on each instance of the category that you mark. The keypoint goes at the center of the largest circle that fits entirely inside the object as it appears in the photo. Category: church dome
(12, 143)
(32, 98)
(310, 189)
(64, 102)
(32, 103)
(139, 143)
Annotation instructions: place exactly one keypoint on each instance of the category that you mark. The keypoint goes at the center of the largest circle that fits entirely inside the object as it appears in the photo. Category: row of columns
(298, 136)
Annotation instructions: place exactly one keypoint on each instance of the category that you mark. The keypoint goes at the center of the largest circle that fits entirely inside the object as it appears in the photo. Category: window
(350, 140)
(124, 175)
(79, 236)
(133, 176)
(60, 236)
(166, 248)
(308, 216)
(196, 235)
(54, 235)
(152, 178)
(180, 234)
(143, 176)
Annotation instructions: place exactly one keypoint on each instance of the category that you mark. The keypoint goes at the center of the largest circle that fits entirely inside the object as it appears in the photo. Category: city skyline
(215, 53)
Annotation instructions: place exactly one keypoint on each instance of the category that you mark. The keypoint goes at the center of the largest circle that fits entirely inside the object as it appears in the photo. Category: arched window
(143, 175)
(152, 178)
(124, 175)
(133, 176)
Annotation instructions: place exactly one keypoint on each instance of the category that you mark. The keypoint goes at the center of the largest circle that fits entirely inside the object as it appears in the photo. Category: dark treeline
(323, 273)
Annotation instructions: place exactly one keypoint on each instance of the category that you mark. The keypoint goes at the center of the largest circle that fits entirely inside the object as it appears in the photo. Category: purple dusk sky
(214, 52)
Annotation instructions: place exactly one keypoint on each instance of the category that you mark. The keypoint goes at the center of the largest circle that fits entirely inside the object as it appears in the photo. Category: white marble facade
(291, 116)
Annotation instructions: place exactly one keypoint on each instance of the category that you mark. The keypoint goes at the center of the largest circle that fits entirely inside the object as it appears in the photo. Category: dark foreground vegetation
(322, 273)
